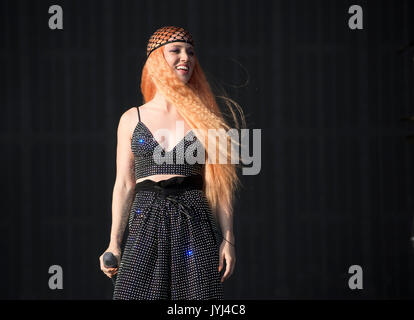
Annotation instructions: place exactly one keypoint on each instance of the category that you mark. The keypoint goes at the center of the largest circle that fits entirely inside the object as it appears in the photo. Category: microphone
(110, 261)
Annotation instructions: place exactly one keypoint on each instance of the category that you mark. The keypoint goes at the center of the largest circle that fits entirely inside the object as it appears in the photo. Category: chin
(185, 80)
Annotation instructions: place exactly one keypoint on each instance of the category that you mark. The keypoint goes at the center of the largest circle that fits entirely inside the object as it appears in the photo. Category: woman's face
(180, 54)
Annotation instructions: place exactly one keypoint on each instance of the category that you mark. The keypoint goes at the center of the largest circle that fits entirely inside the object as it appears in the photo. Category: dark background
(336, 183)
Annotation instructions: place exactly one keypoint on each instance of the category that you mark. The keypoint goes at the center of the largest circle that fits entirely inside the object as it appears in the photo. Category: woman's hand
(116, 251)
(227, 252)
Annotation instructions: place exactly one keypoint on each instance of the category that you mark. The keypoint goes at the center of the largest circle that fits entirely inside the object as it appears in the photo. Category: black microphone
(110, 261)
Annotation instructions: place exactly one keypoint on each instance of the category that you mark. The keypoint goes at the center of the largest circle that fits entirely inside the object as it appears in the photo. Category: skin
(177, 53)
(158, 113)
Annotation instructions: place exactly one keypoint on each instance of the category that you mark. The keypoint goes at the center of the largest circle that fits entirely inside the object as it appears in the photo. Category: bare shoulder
(146, 112)
(145, 107)
(129, 120)
(131, 115)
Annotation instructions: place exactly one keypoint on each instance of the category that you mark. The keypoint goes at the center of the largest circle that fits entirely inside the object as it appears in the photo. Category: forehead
(178, 45)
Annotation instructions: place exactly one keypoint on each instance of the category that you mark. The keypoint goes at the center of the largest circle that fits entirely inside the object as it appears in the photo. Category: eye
(177, 50)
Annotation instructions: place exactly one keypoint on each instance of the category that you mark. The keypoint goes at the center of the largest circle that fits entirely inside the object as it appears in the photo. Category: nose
(184, 57)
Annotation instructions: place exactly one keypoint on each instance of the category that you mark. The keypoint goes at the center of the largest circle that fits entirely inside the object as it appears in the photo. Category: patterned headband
(166, 35)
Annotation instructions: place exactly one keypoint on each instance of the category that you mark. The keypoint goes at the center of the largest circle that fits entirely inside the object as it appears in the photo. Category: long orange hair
(196, 103)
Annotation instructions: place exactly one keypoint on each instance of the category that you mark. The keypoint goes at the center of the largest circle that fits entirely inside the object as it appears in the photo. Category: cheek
(171, 63)
(170, 60)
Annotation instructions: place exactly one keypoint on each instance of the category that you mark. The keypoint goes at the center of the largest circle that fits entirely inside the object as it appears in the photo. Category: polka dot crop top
(150, 158)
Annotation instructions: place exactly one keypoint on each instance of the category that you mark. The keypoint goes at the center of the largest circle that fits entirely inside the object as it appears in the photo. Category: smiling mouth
(182, 71)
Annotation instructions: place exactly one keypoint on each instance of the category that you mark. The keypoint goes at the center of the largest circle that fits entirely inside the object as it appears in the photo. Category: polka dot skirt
(169, 255)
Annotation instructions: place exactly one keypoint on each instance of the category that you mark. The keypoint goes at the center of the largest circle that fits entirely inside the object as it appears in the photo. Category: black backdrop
(336, 183)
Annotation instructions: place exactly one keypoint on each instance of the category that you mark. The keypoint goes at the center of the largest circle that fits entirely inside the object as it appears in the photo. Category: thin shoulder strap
(139, 116)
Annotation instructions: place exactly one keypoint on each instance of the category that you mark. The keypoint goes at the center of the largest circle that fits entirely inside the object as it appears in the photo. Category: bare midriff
(159, 177)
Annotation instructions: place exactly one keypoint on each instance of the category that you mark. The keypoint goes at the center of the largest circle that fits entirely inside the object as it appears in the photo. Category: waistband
(172, 185)
(169, 188)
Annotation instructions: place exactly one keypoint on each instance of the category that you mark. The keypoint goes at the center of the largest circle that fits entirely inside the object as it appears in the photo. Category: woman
(172, 205)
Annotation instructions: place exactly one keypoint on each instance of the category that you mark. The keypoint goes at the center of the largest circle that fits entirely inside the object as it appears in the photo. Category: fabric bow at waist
(170, 188)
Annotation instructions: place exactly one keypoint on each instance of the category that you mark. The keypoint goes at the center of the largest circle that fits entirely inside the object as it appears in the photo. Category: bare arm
(123, 191)
(121, 203)
(225, 217)
(227, 248)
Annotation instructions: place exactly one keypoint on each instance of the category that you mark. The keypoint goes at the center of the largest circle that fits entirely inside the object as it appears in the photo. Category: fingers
(220, 263)
(109, 272)
(230, 263)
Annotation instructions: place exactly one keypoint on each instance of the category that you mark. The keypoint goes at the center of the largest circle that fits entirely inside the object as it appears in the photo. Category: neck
(161, 102)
